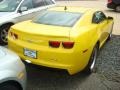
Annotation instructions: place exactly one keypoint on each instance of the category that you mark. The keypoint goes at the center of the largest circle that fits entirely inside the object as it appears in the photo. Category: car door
(100, 18)
(25, 11)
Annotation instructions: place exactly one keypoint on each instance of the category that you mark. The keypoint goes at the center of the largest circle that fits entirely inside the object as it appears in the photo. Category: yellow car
(62, 37)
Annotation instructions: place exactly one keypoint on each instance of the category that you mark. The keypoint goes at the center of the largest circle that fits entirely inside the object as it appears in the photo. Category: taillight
(68, 45)
(54, 44)
(109, 1)
(13, 35)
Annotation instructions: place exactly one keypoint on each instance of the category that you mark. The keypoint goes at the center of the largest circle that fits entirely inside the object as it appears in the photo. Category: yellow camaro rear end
(63, 38)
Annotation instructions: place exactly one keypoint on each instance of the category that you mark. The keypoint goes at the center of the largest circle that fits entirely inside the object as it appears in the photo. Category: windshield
(9, 5)
(56, 18)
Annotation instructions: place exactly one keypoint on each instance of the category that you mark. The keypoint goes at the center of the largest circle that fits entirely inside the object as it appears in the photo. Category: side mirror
(109, 17)
(22, 9)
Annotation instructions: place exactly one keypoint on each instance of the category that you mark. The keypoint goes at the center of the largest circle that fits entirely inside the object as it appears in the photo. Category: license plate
(30, 53)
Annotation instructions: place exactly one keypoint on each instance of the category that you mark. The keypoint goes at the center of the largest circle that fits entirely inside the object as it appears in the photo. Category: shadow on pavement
(111, 11)
(45, 78)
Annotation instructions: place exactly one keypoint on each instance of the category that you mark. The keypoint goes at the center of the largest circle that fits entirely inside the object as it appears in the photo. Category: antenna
(65, 8)
(67, 2)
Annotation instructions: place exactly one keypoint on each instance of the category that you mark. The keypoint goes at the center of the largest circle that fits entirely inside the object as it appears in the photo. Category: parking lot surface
(107, 75)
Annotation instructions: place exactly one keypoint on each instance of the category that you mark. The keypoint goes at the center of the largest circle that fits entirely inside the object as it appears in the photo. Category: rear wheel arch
(4, 28)
(8, 23)
(12, 82)
(90, 67)
(98, 43)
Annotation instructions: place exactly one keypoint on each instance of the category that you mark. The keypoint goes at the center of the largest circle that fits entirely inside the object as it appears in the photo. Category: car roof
(76, 9)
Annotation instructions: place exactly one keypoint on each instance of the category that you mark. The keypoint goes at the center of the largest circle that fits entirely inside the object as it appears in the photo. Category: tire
(9, 86)
(3, 34)
(90, 68)
(117, 9)
(110, 35)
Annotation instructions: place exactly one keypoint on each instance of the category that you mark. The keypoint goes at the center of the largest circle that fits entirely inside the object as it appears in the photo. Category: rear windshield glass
(56, 18)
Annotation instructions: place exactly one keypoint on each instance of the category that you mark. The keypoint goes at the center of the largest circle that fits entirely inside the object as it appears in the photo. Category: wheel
(91, 64)
(3, 34)
(9, 86)
(110, 35)
(117, 9)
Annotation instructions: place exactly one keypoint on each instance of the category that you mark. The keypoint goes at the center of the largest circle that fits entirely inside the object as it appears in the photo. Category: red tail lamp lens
(54, 44)
(13, 35)
(68, 44)
(109, 1)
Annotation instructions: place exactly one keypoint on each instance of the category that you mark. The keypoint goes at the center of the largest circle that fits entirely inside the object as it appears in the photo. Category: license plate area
(30, 53)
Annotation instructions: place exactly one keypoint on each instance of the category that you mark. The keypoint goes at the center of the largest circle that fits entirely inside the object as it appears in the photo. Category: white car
(14, 11)
(12, 71)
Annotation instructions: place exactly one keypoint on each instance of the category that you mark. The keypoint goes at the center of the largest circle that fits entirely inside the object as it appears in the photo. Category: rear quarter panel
(85, 33)
(86, 37)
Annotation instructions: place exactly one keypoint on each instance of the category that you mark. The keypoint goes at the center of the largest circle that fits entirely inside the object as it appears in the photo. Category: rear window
(67, 19)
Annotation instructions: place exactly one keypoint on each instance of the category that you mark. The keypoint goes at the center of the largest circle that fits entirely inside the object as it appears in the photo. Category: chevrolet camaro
(66, 38)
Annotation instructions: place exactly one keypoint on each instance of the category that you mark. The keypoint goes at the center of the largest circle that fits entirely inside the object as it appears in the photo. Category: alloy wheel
(93, 58)
(4, 34)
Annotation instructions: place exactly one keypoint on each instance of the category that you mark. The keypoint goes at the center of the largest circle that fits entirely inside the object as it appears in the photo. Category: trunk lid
(41, 34)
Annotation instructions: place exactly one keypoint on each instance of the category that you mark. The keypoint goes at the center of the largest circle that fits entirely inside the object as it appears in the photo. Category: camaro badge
(34, 41)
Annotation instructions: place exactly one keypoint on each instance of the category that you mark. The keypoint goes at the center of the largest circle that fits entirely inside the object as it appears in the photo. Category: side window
(49, 2)
(38, 3)
(27, 4)
(98, 17)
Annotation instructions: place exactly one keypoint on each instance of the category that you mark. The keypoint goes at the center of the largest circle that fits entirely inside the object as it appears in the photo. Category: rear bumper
(111, 5)
(71, 60)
